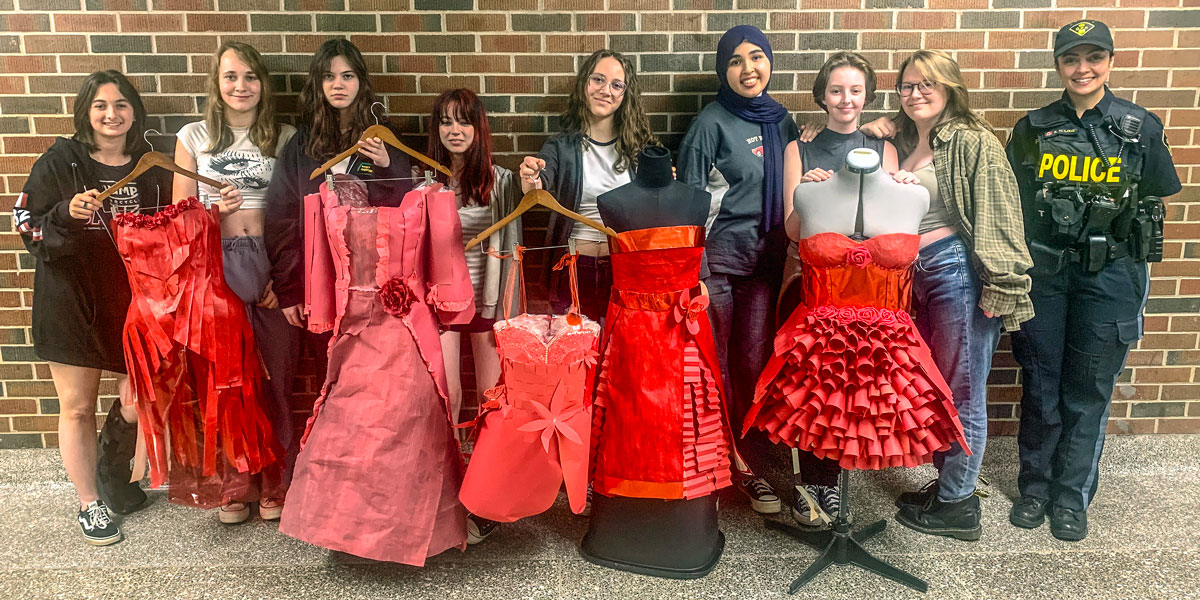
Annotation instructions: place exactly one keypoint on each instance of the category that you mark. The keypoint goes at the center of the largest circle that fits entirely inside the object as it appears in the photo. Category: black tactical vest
(1066, 154)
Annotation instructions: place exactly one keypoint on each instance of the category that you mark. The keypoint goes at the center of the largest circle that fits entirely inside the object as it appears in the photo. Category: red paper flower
(689, 309)
(824, 311)
(868, 314)
(887, 317)
(904, 318)
(847, 314)
(858, 256)
(396, 297)
(554, 419)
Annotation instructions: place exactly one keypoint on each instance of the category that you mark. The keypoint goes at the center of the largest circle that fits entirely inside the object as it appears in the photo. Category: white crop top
(241, 164)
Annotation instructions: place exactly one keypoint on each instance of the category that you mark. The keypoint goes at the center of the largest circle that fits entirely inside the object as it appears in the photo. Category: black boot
(1068, 524)
(118, 443)
(959, 520)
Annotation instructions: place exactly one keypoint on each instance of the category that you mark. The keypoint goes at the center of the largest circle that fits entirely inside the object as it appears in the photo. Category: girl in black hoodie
(80, 293)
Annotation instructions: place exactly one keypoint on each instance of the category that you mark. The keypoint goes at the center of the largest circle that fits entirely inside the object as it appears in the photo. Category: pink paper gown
(379, 469)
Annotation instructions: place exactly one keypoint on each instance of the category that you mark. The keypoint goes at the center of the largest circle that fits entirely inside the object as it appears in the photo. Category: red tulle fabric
(658, 421)
(191, 358)
(850, 378)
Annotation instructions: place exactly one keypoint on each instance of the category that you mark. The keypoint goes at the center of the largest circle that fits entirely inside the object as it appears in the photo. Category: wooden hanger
(156, 159)
(538, 198)
(386, 135)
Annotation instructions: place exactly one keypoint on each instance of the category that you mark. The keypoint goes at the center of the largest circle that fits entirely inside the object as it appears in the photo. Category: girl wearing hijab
(734, 150)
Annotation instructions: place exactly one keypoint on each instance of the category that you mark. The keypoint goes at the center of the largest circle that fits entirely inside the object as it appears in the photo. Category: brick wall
(521, 54)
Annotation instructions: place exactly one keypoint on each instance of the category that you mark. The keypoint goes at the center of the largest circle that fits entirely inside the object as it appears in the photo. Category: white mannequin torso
(832, 205)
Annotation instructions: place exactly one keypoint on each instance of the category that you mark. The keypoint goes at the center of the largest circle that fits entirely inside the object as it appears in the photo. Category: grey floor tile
(732, 578)
(1166, 574)
(847, 581)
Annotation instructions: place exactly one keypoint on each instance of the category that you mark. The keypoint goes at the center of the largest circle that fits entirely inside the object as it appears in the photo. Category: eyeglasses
(599, 82)
(906, 89)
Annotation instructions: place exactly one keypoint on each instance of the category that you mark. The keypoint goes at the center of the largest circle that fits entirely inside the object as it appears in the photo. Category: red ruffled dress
(536, 434)
(850, 378)
(379, 468)
(192, 362)
(659, 428)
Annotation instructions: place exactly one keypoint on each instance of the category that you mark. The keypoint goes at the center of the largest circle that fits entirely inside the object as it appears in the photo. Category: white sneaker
(479, 528)
(762, 496)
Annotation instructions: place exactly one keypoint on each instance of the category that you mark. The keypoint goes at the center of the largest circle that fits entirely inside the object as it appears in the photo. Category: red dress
(535, 436)
(192, 361)
(658, 422)
(850, 378)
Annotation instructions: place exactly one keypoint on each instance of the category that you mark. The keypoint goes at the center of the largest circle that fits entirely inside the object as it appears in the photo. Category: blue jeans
(946, 293)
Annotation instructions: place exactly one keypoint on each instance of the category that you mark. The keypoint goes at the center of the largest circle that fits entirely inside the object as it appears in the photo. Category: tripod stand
(843, 546)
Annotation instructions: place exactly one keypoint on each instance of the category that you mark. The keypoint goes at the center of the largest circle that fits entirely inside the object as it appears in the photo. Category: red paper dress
(850, 378)
(379, 469)
(659, 427)
(536, 436)
(192, 362)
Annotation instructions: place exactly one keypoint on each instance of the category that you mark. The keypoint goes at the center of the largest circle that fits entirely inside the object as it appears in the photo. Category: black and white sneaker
(806, 506)
(831, 501)
(98, 526)
(762, 496)
(479, 528)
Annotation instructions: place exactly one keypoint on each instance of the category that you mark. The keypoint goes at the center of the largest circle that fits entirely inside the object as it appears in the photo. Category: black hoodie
(80, 292)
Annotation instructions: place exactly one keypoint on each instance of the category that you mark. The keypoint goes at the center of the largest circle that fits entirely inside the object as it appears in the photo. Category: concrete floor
(1145, 543)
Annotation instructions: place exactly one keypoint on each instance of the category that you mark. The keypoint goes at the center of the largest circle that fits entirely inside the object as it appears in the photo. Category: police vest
(1066, 154)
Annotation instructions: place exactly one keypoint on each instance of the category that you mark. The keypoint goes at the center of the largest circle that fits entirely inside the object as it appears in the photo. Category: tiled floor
(1145, 543)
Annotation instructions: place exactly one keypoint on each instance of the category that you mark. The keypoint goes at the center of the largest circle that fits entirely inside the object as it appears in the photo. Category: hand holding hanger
(382, 134)
(374, 149)
(531, 171)
(231, 200)
(84, 204)
(544, 199)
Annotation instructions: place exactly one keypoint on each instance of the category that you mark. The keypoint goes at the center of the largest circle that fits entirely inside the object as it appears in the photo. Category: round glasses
(599, 82)
(906, 89)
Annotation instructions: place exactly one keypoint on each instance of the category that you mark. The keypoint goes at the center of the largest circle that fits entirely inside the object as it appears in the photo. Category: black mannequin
(653, 198)
(678, 539)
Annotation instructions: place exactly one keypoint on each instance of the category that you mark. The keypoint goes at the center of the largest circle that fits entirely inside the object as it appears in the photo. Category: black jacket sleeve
(42, 212)
(1159, 177)
(283, 232)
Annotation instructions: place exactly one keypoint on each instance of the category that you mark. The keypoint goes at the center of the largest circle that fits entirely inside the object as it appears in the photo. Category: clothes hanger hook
(146, 136)
(373, 114)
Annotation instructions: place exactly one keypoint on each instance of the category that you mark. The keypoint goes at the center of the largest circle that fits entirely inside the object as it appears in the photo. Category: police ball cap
(1086, 31)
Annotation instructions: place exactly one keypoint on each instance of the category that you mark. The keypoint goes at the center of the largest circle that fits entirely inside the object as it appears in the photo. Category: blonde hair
(264, 131)
(937, 67)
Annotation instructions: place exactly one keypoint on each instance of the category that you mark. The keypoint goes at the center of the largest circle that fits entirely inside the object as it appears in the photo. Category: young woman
(843, 86)
(603, 130)
(970, 277)
(335, 110)
(1088, 315)
(237, 143)
(80, 292)
(459, 135)
(734, 150)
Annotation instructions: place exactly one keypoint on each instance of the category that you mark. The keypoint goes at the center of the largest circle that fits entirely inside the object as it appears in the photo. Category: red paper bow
(554, 419)
(689, 309)
(396, 297)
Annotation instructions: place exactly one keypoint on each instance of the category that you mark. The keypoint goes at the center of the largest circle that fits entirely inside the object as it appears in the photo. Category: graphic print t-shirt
(241, 164)
(123, 200)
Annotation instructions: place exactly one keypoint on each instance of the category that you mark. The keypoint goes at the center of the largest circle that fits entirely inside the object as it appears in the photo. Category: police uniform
(1088, 187)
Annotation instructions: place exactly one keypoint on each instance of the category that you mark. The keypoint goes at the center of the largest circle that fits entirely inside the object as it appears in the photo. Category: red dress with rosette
(659, 427)
(850, 378)
(192, 362)
(534, 436)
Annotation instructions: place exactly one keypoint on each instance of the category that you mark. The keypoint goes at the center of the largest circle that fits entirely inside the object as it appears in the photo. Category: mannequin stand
(843, 546)
(675, 539)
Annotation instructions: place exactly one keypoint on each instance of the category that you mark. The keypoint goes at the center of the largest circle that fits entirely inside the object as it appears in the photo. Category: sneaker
(117, 443)
(587, 506)
(234, 513)
(831, 501)
(806, 506)
(270, 509)
(479, 528)
(97, 525)
(762, 496)
(958, 519)
(919, 497)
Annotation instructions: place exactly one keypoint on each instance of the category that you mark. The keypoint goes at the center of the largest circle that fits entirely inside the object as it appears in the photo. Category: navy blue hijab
(763, 110)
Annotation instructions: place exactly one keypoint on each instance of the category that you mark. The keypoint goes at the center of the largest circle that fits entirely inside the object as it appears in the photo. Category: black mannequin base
(676, 539)
(842, 546)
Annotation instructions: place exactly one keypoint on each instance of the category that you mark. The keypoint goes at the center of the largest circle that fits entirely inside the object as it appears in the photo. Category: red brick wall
(520, 54)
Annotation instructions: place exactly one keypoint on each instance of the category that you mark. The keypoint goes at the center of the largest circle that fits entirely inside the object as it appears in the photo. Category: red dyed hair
(477, 178)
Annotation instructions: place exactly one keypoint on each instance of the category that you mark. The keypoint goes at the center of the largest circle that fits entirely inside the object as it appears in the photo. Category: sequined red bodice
(839, 271)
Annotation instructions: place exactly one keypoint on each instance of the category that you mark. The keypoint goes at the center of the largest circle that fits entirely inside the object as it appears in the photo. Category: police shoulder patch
(1081, 28)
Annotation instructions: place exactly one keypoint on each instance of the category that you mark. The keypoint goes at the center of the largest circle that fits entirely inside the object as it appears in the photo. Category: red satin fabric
(191, 358)
(658, 424)
(850, 378)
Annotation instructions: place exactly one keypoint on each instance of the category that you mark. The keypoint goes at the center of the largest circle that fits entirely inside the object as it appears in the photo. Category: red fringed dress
(850, 378)
(192, 361)
(659, 429)
(536, 436)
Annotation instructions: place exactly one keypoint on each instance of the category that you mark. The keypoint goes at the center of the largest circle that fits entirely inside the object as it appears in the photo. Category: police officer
(1092, 169)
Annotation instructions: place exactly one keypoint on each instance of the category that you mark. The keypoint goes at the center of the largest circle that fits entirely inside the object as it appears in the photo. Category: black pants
(595, 286)
(1071, 354)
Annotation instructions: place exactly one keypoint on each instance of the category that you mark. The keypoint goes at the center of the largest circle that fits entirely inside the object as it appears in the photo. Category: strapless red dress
(850, 379)
(658, 420)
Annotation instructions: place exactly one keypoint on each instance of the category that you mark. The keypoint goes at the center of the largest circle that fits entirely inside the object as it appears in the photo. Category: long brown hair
(632, 125)
(476, 178)
(325, 136)
(84, 134)
(937, 67)
(264, 131)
